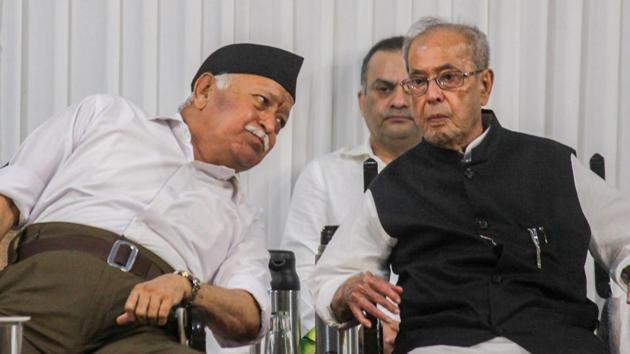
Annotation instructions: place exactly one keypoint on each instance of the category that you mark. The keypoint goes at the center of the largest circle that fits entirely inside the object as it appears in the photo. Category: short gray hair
(477, 40)
(223, 81)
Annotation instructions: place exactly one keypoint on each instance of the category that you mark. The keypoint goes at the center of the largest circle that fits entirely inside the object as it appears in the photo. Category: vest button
(482, 223)
(469, 173)
(497, 279)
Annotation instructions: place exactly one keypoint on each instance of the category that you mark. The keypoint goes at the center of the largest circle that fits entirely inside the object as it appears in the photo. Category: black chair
(190, 322)
(602, 280)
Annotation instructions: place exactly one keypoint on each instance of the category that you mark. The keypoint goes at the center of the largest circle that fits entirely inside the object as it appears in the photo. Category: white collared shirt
(104, 163)
(327, 189)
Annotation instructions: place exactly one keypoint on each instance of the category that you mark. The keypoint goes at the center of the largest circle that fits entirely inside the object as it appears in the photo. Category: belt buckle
(111, 259)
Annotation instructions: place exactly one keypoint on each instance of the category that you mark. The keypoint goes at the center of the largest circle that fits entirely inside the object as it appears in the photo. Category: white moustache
(260, 134)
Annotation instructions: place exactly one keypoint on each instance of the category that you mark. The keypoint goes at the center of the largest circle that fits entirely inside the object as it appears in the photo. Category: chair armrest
(190, 322)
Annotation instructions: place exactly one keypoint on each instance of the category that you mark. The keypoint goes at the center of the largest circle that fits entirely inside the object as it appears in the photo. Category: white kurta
(326, 191)
(104, 163)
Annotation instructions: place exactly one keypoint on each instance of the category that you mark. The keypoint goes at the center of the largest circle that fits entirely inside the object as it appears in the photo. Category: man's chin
(401, 133)
(437, 138)
(249, 162)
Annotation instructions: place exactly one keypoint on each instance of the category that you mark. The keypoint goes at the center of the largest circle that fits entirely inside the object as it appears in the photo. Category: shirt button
(469, 173)
(497, 279)
(482, 223)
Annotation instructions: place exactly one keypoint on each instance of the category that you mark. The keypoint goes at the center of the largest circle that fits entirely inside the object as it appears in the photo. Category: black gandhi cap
(246, 58)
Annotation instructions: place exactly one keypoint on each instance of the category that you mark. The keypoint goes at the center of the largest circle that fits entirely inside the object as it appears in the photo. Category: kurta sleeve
(608, 213)
(43, 152)
(360, 244)
(246, 268)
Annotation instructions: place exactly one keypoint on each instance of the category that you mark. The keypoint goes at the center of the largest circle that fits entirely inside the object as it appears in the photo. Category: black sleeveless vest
(466, 256)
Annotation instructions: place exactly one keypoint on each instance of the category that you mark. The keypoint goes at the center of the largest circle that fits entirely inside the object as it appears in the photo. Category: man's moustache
(259, 133)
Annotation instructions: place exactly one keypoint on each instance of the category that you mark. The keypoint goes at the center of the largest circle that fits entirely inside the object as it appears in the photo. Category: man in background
(329, 187)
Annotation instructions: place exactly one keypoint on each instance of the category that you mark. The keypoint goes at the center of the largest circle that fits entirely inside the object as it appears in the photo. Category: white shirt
(328, 188)
(105, 163)
(606, 210)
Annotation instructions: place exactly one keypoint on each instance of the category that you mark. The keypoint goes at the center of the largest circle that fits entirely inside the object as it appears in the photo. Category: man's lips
(398, 117)
(436, 118)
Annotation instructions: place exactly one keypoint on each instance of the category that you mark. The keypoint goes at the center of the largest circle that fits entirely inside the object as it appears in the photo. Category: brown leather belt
(119, 253)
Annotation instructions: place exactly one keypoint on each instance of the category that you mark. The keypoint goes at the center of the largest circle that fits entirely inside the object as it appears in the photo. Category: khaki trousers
(73, 299)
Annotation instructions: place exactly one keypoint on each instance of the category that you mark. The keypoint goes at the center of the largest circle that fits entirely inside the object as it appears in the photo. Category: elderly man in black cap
(125, 215)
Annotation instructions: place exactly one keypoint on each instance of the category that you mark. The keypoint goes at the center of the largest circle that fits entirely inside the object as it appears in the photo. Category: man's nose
(434, 92)
(399, 98)
(268, 122)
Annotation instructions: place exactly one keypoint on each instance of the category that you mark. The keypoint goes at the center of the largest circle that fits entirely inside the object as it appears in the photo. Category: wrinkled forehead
(262, 84)
(440, 47)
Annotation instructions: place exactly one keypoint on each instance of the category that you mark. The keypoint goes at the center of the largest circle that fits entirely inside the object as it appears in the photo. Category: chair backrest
(602, 281)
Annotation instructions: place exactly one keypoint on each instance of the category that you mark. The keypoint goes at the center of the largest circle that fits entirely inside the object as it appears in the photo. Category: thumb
(122, 319)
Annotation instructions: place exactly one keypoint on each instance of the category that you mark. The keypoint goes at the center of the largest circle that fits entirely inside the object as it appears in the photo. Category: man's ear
(361, 99)
(202, 90)
(487, 80)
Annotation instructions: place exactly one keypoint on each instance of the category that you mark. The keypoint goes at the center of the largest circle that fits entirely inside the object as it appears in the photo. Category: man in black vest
(487, 228)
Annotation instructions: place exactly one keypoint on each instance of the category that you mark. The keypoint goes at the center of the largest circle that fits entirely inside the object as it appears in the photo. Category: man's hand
(390, 331)
(361, 293)
(151, 301)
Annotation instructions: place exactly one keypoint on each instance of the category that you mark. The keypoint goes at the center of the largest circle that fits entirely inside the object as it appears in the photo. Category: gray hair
(223, 81)
(476, 39)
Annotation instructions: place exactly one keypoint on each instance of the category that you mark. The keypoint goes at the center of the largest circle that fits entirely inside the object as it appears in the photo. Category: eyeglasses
(446, 80)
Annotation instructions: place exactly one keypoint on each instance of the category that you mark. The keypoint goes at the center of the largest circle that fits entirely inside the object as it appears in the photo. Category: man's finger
(358, 314)
(130, 307)
(142, 308)
(122, 319)
(385, 288)
(374, 296)
(153, 310)
(370, 308)
(165, 309)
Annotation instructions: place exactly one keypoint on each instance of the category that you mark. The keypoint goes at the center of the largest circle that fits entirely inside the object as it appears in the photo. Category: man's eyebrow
(438, 69)
(383, 82)
(274, 96)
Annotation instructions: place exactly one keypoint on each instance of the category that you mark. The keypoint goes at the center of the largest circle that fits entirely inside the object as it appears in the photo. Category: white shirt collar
(217, 171)
(362, 150)
(468, 152)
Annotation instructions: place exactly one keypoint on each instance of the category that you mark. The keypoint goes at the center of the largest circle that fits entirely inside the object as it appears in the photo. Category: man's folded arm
(240, 291)
(233, 314)
(358, 251)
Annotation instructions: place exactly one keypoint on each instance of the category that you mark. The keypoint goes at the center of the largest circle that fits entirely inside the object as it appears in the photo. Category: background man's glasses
(446, 80)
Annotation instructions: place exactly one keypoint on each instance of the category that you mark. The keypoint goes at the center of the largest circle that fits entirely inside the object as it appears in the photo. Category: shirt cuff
(619, 277)
(22, 187)
(325, 297)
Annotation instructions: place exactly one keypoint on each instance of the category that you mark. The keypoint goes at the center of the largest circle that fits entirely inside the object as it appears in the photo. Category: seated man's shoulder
(104, 99)
(338, 158)
(106, 103)
(540, 143)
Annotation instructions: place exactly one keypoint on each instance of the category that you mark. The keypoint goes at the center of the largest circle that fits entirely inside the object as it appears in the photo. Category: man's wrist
(195, 284)
(339, 307)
